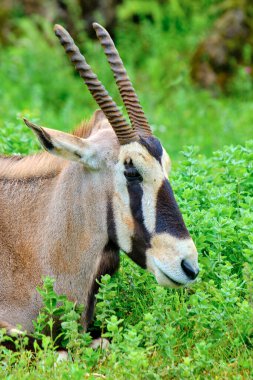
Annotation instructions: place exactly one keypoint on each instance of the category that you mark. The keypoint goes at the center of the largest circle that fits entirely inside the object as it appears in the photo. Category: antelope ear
(67, 146)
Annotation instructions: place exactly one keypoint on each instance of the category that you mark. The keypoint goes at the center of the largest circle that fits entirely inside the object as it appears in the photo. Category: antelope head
(145, 219)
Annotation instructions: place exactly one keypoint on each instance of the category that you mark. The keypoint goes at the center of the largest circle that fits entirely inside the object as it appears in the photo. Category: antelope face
(148, 222)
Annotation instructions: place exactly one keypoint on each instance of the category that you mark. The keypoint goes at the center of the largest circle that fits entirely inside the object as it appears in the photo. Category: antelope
(67, 212)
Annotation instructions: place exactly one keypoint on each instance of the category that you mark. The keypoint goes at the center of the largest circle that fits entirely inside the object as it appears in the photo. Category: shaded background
(190, 62)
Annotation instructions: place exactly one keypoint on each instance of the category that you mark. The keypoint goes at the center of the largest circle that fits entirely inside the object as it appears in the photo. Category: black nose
(189, 270)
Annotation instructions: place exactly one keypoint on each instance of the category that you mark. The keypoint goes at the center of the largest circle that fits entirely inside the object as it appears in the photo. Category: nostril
(189, 270)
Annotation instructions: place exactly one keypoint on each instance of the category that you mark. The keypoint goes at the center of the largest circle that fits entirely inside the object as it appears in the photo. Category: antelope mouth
(171, 279)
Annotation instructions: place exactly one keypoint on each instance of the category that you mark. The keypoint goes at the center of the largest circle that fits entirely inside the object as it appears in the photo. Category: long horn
(121, 127)
(127, 92)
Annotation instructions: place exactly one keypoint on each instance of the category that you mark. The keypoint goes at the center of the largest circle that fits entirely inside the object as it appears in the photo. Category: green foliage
(58, 309)
(170, 13)
(57, 314)
(20, 142)
(205, 331)
(38, 81)
(200, 332)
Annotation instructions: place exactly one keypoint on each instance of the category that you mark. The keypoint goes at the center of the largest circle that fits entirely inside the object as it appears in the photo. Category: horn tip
(58, 29)
(97, 26)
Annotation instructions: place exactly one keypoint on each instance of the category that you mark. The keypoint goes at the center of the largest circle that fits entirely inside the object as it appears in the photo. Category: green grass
(200, 332)
(203, 332)
(38, 81)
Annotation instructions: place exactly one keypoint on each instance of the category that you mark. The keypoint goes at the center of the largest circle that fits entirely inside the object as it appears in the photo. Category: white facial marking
(149, 207)
(124, 222)
(151, 188)
(153, 176)
(149, 199)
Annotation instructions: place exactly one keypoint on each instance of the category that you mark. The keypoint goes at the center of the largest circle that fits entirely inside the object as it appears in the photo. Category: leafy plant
(202, 332)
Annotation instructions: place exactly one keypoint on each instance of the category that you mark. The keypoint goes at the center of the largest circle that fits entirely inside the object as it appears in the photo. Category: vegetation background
(201, 332)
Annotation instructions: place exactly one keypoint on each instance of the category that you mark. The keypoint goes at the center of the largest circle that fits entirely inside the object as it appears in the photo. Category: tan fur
(53, 218)
(92, 126)
(47, 227)
(38, 165)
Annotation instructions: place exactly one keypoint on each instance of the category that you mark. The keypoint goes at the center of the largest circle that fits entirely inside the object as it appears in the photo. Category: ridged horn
(127, 92)
(123, 130)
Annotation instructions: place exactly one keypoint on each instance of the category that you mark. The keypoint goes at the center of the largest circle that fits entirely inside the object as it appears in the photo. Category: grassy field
(203, 332)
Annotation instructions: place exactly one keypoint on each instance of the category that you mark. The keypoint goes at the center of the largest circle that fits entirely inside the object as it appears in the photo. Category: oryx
(67, 212)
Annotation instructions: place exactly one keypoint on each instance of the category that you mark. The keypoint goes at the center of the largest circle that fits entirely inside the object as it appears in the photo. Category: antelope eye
(131, 173)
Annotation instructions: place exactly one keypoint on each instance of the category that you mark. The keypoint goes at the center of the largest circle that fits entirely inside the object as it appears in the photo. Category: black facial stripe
(109, 264)
(168, 216)
(141, 239)
(153, 146)
(111, 228)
